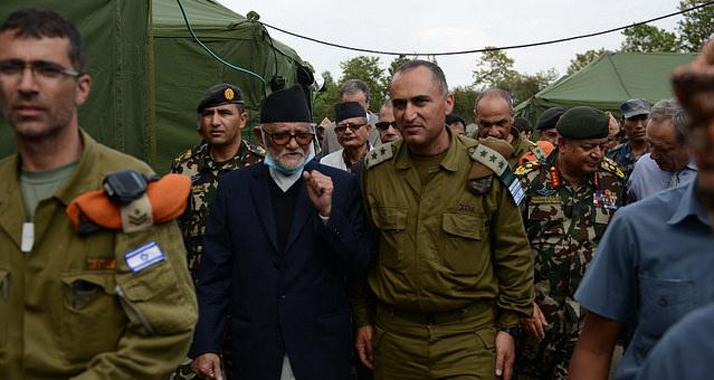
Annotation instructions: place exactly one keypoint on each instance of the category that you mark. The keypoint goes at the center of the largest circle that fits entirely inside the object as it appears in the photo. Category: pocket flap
(463, 225)
(103, 279)
(148, 283)
(390, 218)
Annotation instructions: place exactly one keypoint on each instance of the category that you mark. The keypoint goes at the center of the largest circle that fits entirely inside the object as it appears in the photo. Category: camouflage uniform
(622, 155)
(564, 226)
(205, 172)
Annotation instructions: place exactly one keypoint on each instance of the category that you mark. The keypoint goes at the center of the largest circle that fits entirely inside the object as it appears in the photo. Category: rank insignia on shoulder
(379, 154)
(144, 257)
(489, 158)
(526, 168)
(612, 167)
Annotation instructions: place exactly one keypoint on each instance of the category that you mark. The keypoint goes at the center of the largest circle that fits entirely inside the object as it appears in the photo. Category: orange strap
(168, 197)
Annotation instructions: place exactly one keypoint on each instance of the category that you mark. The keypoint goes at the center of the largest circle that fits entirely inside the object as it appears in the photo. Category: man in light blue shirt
(669, 163)
(654, 263)
(685, 351)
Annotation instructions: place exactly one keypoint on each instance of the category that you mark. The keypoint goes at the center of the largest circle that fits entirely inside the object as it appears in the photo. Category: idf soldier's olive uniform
(75, 306)
(204, 172)
(564, 225)
(522, 146)
(454, 263)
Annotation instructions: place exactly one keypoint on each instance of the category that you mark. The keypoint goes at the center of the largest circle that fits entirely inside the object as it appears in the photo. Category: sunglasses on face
(283, 138)
(384, 125)
(341, 128)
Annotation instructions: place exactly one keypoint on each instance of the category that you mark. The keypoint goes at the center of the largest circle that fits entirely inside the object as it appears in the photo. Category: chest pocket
(463, 243)
(90, 311)
(4, 306)
(392, 224)
(664, 302)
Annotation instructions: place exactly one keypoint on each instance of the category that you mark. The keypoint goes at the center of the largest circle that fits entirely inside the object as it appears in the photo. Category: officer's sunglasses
(341, 128)
(283, 138)
(384, 125)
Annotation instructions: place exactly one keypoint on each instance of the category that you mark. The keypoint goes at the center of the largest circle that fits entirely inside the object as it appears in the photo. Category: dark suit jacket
(292, 302)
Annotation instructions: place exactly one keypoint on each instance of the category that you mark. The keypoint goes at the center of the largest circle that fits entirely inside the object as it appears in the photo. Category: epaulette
(489, 158)
(259, 150)
(537, 152)
(379, 154)
(527, 168)
(612, 167)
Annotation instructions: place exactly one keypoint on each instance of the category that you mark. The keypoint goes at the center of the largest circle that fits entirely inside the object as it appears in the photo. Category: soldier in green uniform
(454, 273)
(100, 304)
(570, 199)
(221, 117)
(494, 115)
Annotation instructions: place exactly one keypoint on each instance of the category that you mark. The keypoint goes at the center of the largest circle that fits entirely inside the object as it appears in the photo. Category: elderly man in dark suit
(282, 240)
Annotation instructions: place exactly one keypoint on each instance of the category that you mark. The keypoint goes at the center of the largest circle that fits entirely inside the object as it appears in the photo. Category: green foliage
(324, 101)
(695, 27)
(648, 38)
(584, 59)
(464, 100)
(366, 69)
(495, 69)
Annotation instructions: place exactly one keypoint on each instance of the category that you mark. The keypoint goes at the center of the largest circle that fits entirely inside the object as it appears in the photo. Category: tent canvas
(608, 81)
(149, 73)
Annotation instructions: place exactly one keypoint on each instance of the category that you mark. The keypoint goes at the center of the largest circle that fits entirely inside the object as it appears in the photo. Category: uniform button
(276, 265)
(282, 297)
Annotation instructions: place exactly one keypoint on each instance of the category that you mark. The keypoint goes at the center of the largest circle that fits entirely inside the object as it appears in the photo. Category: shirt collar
(689, 206)
(450, 161)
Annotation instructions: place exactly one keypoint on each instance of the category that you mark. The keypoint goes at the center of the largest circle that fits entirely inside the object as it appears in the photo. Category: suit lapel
(260, 192)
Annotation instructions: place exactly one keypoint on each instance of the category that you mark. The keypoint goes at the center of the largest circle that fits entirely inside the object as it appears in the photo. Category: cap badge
(228, 94)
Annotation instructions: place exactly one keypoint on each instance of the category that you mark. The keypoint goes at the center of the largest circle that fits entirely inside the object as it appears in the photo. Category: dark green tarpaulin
(608, 81)
(149, 73)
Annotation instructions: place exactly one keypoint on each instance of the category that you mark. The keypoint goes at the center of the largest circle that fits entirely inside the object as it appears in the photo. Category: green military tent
(148, 72)
(608, 81)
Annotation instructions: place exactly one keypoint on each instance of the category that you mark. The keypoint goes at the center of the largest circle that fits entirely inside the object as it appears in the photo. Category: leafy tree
(368, 70)
(393, 66)
(324, 101)
(584, 59)
(648, 38)
(464, 100)
(695, 27)
(494, 67)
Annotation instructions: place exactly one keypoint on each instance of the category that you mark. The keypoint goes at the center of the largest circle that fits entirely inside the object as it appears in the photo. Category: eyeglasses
(341, 128)
(41, 70)
(384, 125)
(283, 138)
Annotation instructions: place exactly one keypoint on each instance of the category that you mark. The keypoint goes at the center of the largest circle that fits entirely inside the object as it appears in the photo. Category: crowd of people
(397, 245)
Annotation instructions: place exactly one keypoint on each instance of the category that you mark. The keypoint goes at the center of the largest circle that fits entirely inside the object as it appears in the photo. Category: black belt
(435, 318)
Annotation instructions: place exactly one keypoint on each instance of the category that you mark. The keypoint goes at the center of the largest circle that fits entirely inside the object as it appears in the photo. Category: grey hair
(437, 73)
(665, 110)
(354, 86)
(681, 121)
(496, 92)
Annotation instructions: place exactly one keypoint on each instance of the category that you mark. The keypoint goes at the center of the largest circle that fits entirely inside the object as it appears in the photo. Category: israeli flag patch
(144, 257)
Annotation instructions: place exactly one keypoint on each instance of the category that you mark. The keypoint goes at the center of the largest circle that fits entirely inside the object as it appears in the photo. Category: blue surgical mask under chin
(271, 163)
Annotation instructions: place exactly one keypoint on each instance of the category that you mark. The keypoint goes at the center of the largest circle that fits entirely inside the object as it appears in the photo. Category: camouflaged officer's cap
(583, 123)
(634, 107)
(220, 94)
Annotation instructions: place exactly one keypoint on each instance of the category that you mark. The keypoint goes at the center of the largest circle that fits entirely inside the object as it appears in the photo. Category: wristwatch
(514, 331)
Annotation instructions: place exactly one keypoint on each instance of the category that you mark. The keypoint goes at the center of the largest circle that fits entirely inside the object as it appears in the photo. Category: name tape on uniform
(144, 257)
